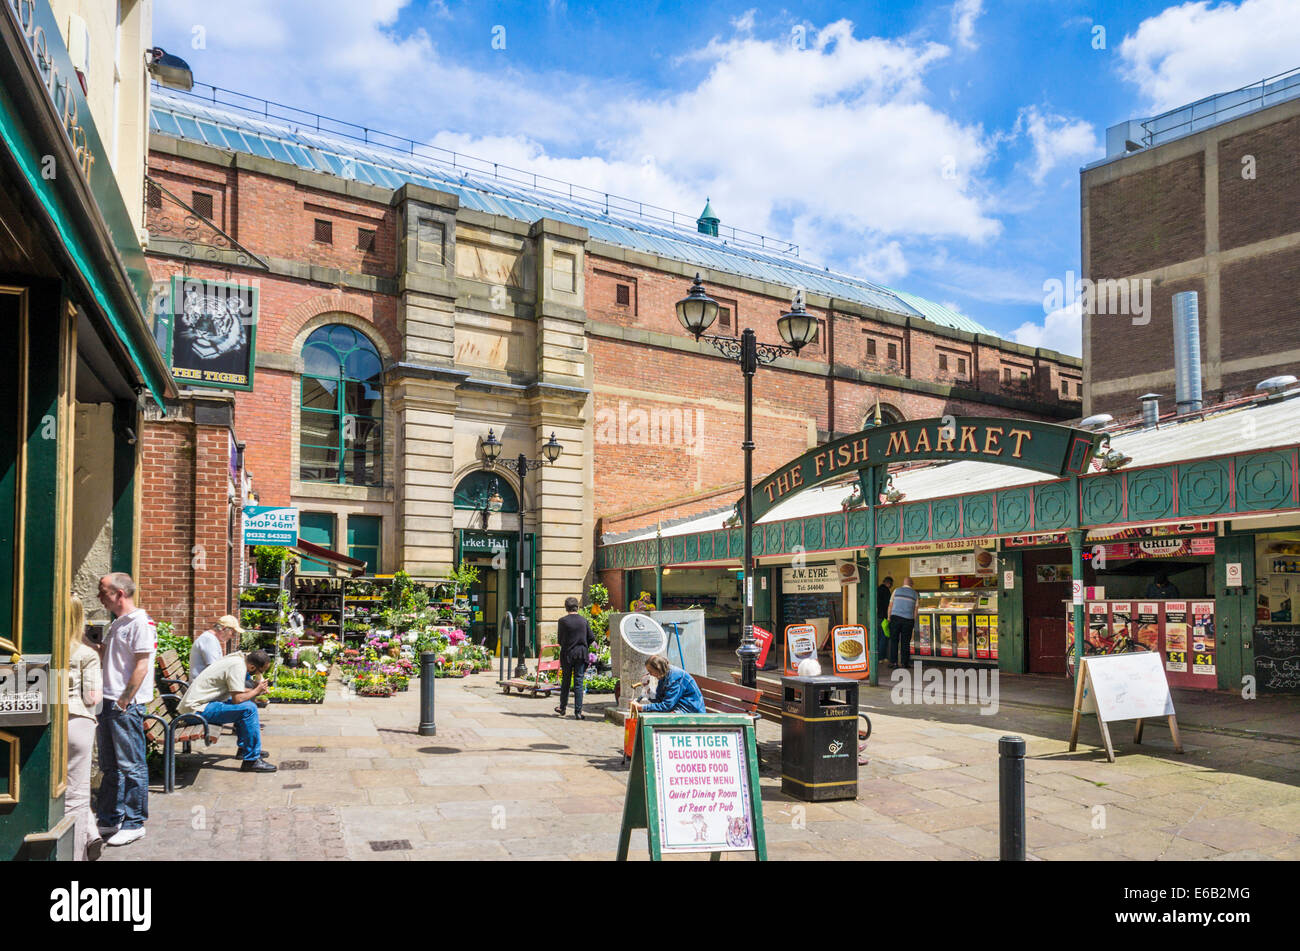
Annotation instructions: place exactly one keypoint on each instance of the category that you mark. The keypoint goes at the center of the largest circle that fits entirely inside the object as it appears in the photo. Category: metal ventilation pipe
(1150, 410)
(1187, 352)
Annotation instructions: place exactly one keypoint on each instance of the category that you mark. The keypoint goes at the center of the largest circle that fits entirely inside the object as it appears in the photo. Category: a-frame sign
(693, 786)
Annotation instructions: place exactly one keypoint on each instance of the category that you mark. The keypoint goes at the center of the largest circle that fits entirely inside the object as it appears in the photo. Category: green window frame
(317, 528)
(364, 536)
(341, 409)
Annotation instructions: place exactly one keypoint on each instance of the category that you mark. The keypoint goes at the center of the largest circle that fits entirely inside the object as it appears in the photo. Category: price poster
(923, 637)
(1121, 617)
(1203, 637)
(1176, 636)
(1096, 639)
(993, 636)
(703, 786)
(945, 635)
(961, 634)
(1147, 635)
(982, 636)
(800, 644)
(849, 650)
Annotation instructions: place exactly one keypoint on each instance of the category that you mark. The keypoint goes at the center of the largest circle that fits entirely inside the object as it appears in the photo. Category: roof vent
(1099, 421)
(708, 222)
(1275, 387)
(1150, 410)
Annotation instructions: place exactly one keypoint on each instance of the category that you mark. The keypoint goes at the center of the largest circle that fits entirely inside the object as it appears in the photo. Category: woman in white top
(85, 684)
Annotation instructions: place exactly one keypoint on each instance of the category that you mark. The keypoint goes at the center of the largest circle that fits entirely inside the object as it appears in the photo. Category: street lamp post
(697, 312)
(551, 450)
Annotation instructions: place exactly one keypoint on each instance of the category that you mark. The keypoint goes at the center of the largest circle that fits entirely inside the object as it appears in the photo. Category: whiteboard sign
(1129, 686)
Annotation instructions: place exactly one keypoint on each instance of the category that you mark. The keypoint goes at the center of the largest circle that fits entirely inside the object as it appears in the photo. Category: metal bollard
(428, 664)
(1011, 798)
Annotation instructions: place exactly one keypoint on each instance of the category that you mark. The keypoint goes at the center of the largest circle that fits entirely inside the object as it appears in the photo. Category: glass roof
(234, 130)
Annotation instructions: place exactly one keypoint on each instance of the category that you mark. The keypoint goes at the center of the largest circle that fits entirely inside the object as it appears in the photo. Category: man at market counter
(219, 696)
(677, 691)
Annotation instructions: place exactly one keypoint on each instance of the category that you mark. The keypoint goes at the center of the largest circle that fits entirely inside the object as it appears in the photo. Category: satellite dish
(643, 634)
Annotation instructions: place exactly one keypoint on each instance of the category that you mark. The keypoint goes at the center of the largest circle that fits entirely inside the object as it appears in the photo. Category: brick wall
(185, 574)
(1266, 205)
(1149, 219)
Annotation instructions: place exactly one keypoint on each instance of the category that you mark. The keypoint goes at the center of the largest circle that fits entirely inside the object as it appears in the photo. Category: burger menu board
(924, 641)
(982, 647)
(945, 635)
(1147, 635)
(1176, 636)
(961, 630)
(1203, 637)
(849, 650)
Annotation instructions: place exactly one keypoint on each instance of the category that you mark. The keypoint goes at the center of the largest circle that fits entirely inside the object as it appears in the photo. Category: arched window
(888, 414)
(341, 432)
(480, 487)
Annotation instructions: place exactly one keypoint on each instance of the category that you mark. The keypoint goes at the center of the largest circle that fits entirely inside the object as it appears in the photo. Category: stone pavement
(504, 778)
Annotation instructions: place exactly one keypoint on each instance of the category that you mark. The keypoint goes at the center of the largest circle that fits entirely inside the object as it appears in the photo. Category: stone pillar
(423, 382)
(559, 404)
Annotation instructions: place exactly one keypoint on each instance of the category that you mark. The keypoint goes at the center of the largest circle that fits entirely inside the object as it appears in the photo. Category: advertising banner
(800, 644)
(849, 651)
(1203, 638)
(961, 634)
(982, 646)
(815, 579)
(993, 636)
(1148, 625)
(1176, 637)
(945, 635)
(764, 638)
(924, 637)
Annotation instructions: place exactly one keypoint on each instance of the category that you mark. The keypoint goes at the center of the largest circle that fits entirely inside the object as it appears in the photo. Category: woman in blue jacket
(677, 691)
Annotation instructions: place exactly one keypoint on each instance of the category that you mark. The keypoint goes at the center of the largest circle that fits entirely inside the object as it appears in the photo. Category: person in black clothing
(1162, 587)
(575, 638)
(883, 594)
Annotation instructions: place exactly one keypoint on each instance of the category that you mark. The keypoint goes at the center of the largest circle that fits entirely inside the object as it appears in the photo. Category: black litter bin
(819, 738)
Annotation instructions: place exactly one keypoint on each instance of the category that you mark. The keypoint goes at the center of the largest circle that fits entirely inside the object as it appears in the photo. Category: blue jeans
(247, 726)
(124, 790)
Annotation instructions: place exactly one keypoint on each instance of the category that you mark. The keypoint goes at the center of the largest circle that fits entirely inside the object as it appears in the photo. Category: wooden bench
(164, 726)
(769, 698)
(722, 697)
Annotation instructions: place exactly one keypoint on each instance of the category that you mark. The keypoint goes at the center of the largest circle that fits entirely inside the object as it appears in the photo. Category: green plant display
(600, 683)
(270, 560)
(168, 640)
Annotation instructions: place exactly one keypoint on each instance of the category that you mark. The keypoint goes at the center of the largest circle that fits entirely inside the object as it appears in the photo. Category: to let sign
(270, 525)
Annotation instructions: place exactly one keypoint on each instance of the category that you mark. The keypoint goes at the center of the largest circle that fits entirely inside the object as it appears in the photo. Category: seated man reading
(220, 696)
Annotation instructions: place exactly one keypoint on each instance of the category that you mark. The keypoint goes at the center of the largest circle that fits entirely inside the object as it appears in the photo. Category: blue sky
(933, 147)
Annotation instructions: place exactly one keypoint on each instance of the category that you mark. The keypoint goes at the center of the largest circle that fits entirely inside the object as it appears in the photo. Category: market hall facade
(1185, 537)
(406, 307)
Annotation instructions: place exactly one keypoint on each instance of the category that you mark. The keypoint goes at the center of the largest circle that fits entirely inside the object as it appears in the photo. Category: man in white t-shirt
(127, 658)
(207, 646)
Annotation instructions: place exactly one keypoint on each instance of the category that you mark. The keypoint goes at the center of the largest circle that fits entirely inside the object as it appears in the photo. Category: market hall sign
(1025, 444)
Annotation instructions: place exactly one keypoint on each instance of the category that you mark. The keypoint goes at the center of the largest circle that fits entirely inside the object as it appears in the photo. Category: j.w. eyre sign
(1026, 444)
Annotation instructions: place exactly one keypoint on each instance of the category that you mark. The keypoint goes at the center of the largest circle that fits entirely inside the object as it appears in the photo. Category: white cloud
(1061, 330)
(1055, 139)
(883, 264)
(964, 15)
(1187, 52)
(745, 22)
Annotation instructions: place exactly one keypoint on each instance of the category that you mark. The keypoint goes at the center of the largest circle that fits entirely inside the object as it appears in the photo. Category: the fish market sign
(1023, 443)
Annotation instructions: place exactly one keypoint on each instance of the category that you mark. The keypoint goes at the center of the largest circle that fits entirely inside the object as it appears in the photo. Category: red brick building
(483, 299)
(1204, 198)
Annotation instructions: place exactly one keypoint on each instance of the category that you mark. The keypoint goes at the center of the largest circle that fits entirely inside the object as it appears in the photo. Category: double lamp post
(551, 450)
(697, 313)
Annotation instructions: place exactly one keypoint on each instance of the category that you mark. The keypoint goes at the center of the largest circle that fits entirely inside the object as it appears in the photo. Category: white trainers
(125, 836)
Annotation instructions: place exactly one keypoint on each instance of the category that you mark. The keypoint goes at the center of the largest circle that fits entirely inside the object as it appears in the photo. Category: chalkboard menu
(1277, 658)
